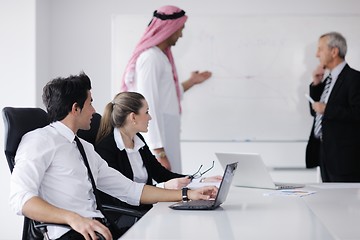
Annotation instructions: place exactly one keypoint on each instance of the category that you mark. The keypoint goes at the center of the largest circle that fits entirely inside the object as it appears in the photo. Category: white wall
(81, 38)
(17, 74)
(80, 32)
(43, 39)
(42, 47)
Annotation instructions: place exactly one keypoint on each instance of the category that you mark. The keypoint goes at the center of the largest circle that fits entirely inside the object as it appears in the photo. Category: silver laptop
(220, 197)
(252, 171)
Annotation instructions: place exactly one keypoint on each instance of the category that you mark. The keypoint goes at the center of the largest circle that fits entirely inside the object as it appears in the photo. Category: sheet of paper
(290, 192)
(309, 98)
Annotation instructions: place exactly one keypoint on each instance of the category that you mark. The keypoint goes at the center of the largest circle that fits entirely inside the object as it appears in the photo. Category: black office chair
(17, 122)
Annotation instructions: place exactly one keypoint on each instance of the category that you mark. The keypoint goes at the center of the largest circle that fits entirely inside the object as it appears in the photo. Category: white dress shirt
(155, 80)
(136, 162)
(334, 76)
(49, 165)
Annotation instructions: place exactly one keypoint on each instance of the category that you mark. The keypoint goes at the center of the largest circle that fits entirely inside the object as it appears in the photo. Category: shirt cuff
(137, 189)
(160, 185)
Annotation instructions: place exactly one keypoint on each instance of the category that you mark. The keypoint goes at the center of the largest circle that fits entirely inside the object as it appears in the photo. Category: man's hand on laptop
(203, 193)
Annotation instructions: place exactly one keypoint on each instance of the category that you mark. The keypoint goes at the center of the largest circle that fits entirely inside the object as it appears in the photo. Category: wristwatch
(185, 194)
(161, 154)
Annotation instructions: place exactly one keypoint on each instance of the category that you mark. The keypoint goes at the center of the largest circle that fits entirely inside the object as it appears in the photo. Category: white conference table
(333, 212)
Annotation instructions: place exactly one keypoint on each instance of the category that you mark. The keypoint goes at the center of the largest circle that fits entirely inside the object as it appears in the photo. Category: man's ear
(335, 51)
(75, 108)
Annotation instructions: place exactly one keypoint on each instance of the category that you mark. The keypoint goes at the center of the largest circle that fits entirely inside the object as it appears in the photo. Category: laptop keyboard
(289, 186)
(285, 186)
(199, 204)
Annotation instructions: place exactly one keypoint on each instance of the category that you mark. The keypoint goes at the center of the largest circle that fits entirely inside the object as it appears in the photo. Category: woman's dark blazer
(119, 160)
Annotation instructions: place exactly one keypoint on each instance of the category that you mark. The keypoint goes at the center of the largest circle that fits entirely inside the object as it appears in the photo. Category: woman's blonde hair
(116, 112)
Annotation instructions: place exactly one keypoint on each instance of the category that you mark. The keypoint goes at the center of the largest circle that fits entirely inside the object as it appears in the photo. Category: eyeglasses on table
(198, 173)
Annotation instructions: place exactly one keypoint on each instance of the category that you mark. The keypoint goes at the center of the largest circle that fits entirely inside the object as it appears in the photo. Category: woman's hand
(177, 183)
(216, 178)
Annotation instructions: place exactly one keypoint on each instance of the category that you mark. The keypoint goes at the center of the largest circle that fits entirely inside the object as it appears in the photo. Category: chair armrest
(41, 227)
(125, 211)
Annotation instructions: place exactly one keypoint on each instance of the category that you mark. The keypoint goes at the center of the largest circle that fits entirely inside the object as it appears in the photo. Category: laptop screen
(225, 184)
(252, 171)
(220, 197)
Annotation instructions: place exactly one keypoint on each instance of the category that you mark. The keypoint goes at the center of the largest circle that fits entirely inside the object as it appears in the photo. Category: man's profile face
(86, 113)
(175, 36)
(325, 53)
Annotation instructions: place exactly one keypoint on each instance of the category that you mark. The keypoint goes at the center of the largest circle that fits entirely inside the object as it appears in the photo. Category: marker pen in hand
(309, 98)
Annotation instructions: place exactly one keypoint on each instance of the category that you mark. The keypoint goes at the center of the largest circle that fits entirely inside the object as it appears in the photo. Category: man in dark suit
(334, 143)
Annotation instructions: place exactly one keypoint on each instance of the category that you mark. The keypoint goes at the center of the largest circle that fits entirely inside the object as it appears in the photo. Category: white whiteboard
(261, 69)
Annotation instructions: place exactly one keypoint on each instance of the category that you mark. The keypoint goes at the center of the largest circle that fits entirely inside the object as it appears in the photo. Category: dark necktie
(82, 152)
(106, 221)
(318, 119)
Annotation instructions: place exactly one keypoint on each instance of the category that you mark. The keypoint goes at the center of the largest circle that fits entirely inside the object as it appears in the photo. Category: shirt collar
(138, 143)
(63, 130)
(337, 70)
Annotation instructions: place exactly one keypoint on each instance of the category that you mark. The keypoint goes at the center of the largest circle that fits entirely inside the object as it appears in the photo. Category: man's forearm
(40, 210)
(152, 195)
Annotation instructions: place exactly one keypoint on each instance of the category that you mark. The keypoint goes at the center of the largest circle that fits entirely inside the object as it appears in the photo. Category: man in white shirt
(151, 71)
(50, 182)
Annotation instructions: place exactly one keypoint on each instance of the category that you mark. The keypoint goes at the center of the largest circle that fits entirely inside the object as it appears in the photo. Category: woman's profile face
(143, 117)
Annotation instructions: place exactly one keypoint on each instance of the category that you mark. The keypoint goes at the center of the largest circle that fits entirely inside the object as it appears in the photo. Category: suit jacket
(312, 154)
(340, 128)
(119, 160)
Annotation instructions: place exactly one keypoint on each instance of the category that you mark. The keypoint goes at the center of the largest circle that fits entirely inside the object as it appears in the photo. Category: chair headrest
(17, 122)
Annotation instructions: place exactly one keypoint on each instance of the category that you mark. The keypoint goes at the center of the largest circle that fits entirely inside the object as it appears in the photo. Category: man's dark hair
(60, 94)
